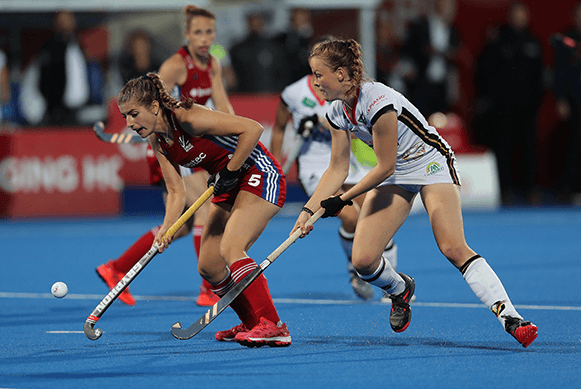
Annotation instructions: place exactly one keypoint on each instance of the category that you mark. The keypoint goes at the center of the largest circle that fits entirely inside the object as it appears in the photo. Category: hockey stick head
(99, 129)
(90, 331)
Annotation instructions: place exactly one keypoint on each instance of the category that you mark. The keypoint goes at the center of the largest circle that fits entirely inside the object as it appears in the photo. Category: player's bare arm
(200, 120)
(173, 72)
(331, 181)
(219, 95)
(283, 115)
(338, 170)
(385, 146)
(176, 193)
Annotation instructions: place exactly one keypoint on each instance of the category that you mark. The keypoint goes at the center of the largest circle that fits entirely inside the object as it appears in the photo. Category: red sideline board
(61, 172)
(70, 172)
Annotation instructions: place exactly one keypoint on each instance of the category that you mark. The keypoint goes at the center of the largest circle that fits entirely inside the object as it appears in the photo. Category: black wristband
(307, 210)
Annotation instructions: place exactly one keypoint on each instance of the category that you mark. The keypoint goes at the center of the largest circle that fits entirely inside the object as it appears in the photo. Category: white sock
(487, 287)
(385, 278)
(390, 253)
(346, 239)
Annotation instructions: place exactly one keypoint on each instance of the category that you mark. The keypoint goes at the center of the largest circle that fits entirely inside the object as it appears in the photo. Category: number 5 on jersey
(254, 180)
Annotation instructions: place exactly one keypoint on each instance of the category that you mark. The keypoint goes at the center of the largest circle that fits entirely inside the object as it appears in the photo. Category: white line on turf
(64, 332)
(304, 301)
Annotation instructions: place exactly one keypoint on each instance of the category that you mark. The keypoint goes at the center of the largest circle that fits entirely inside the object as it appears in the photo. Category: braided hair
(146, 89)
(346, 54)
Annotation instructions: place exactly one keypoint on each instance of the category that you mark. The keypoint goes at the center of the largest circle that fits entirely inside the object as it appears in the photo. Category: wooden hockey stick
(179, 333)
(119, 137)
(89, 329)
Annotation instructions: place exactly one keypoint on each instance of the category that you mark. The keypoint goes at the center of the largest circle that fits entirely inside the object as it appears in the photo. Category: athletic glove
(223, 181)
(303, 130)
(333, 206)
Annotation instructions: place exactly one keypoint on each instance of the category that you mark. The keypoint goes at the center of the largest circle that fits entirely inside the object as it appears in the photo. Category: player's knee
(204, 271)
(348, 219)
(365, 263)
(230, 252)
(456, 253)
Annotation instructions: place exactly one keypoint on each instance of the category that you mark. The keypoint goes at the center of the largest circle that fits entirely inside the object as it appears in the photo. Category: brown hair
(321, 39)
(344, 54)
(191, 11)
(148, 88)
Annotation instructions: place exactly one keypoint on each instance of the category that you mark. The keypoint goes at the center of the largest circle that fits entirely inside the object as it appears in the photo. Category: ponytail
(148, 88)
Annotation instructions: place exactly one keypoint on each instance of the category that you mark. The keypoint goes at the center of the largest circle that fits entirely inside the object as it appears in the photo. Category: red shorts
(269, 186)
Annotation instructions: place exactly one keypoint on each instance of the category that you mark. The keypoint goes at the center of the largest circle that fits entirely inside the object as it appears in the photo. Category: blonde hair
(146, 89)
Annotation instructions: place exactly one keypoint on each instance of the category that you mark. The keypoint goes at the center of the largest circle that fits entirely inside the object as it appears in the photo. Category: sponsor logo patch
(433, 168)
(308, 102)
(186, 145)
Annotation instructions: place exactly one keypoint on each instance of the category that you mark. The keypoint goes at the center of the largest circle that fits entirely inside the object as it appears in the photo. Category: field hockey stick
(297, 149)
(89, 329)
(179, 333)
(119, 137)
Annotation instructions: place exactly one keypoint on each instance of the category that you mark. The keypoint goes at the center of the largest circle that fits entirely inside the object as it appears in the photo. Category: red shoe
(206, 298)
(265, 333)
(228, 335)
(111, 276)
(523, 331)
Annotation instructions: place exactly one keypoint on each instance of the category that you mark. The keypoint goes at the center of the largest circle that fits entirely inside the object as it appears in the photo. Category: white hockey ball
(59, 289)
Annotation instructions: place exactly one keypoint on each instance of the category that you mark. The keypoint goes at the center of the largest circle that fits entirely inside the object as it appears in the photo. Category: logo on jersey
(196, 160)
(199, 92)
(186, 145)
(433, 168)
(374, 102)
(308, 102)
(414, 152)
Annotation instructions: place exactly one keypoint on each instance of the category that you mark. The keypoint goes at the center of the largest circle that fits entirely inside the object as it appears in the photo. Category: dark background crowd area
(493, 63)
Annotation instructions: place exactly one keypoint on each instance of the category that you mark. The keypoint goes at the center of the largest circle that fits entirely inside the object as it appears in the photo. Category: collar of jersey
(351, 115)
(320, 101)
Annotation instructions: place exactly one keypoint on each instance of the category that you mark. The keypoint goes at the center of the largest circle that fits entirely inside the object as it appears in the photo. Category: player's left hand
(223, 181)
(334, 205)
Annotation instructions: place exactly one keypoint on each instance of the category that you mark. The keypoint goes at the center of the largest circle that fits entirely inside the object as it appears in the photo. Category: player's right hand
(300, 224)
(162, 242)
(333, 206)
(223, 181)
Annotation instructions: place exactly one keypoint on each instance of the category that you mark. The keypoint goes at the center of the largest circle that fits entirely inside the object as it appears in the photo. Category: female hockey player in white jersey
(304, 103)
(412, 158)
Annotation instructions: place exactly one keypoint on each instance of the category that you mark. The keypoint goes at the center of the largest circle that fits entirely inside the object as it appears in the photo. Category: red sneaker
(111, 276)
(265, 333)
(228, 335)
(523, 331)
(206, 298)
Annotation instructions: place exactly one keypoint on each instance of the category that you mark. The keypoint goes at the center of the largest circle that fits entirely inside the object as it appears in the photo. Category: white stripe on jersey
(261, 161)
